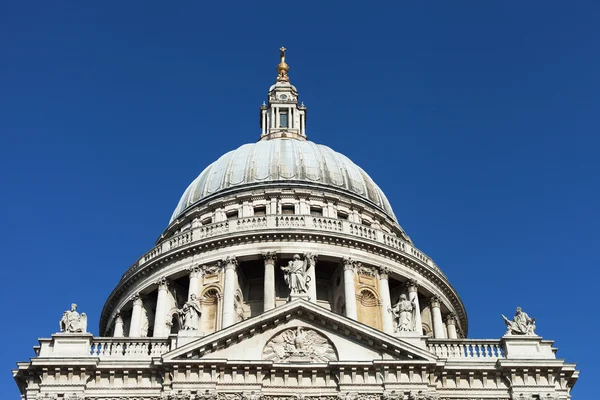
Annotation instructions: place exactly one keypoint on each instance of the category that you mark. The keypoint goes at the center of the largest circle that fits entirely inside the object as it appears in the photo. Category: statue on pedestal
(521, 324)
(403, 314)
(72, 321)
(296, 275)
(190, 313)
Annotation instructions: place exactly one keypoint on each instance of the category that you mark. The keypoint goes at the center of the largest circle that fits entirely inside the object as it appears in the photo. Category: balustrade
(248, 223)
(466, 348)
(330, 224)
(363, 231)
(129, 347)
(180, 240)
(283, 221)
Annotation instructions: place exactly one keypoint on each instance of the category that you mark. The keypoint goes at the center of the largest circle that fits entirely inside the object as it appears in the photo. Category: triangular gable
(349, 338)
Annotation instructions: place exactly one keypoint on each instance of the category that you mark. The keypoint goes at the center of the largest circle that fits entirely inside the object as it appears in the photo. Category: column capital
(451, 319)
(118, 317)
(229, 262)
(163, 284)
(195, 271)
(348, 264)
(412, 285)
(270, 256)
(136, 298)
(434, 301)
(383, 272)
(311, 257)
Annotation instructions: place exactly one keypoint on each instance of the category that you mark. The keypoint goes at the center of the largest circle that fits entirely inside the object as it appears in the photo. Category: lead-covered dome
(283, 161)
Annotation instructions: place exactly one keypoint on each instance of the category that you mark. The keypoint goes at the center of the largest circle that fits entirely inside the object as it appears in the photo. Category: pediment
(299, 332)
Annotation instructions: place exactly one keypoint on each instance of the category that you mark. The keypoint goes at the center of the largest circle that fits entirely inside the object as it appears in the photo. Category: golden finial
(282, 68)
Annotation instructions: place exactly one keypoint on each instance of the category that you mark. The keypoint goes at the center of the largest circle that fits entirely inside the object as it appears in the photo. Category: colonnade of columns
(228, 311)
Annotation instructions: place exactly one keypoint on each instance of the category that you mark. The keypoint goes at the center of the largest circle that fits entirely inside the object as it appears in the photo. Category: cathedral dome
(283, 161)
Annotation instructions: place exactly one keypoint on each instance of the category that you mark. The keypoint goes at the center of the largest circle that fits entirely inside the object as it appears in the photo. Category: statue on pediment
(403, 314)
(72, 321)
(521, 324)
(190, 313)
(296, 275)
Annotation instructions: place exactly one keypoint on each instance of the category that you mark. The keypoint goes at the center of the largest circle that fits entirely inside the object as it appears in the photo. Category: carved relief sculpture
(403, 314)
(72, 321)
(521, 324)
(299, 345)
(189, 314)
(296, 275)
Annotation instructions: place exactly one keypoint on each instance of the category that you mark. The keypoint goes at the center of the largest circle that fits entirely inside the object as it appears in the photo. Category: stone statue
(521, 324)
(72, 321)
(403, 314)
(190, 314)
(296, 275)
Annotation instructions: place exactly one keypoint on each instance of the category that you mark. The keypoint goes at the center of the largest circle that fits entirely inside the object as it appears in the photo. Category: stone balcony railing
(282, 222)
(109, 347)
(472, 349)
(146, 348)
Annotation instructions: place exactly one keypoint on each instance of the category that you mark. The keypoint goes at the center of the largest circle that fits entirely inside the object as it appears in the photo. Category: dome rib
(283, 160)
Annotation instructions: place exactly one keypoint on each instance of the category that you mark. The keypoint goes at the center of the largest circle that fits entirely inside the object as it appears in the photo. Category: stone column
(160, 316)
(386, 301)
(413, 296)
(312, 274)
(436, 314)
(194, 284)
(349, 290)
(119, 326)
(135, 326)
(264, 121)
(269, 287)
(229, 316)
(451, 324)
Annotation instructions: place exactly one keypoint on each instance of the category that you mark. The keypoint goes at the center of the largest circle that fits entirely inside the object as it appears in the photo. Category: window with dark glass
(260, 210)
(232, 214)
(287, 210)
(283, 120)
(316, 211)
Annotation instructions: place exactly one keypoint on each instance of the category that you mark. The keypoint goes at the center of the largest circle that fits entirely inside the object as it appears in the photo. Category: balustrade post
(451, 324)
(269, 285)
(135, 326)
(438, 324)
(413, 296)
(229, 315)
(160, 316)
(386, 302)
(119, 326)
(349, 289)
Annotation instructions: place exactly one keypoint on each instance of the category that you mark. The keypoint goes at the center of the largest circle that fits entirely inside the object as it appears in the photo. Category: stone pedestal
(187, 336)
(67, 345)
(299, 296)
(414, 338)
(527, 347)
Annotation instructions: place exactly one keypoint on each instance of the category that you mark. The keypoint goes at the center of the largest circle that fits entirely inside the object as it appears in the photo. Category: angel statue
(72, 321)
(190, 314)
(296, 275)
(403, 314)
(521, 324)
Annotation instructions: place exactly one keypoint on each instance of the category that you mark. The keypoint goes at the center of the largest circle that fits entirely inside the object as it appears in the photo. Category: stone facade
(301, 285)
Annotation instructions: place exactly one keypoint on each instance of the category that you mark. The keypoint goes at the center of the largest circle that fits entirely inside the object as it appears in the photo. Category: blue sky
(479, 120)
